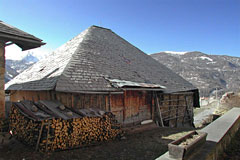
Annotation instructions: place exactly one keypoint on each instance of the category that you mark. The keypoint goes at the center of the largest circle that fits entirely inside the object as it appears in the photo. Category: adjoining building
(99, 69)
(11, 35)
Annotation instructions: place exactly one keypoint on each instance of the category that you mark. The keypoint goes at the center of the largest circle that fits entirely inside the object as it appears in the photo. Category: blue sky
(212, 27)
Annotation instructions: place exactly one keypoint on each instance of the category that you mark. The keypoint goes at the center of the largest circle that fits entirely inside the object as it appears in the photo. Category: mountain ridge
(209, 73)
(14, 67)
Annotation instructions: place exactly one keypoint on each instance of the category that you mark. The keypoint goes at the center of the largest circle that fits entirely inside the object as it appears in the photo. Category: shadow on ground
(148, 144)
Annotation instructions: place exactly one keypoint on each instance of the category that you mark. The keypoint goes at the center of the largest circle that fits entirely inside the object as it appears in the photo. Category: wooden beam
(159, 110)
(109, 102)
(39, 136)
(124, 105)
(177, 111)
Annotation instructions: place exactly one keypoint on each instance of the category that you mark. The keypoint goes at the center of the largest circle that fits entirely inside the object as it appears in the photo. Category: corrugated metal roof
(122, 84)
(88, 60)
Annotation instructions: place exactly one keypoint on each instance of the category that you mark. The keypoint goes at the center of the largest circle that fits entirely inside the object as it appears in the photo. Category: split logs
(60, 134)
(4, 125)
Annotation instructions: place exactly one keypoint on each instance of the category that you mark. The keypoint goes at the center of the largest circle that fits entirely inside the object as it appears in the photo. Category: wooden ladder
(40, 134)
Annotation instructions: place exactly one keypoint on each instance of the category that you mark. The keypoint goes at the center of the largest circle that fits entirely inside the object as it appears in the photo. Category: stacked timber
(3, 125)
(51, 126)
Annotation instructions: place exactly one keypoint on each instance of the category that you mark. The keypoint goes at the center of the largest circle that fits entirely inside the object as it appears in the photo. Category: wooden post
(159, 110)
(72, 105)
(186, 113)
(169, 109)
(48, 128)
(39, 136)
(151, 104)
(2, 72)
(124, 105)
(109, 102)
(177, 111)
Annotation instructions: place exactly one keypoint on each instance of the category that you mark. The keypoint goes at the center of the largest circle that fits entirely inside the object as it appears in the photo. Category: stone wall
(220, 133)
(2, 72)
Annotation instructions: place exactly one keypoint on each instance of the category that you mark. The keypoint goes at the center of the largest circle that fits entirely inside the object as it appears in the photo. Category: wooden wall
(130, 108)
(68, 99)
(176, 109)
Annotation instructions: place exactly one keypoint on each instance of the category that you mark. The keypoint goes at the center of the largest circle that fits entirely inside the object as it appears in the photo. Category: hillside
(206, 72)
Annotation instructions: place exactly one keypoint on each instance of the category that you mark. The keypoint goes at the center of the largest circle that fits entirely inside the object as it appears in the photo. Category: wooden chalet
(99, 69)
(11, 35)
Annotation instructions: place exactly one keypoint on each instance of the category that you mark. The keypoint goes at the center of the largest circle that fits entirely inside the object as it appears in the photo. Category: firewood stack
(3, 125)
(54, 133)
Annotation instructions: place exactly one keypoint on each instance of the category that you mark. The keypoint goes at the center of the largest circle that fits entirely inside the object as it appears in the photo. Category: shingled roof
(91, 60)
(19, 37)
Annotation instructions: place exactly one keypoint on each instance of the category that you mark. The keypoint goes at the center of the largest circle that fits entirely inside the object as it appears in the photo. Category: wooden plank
(169, 108)
(39, 136)
(109, 102)
(43, 108)
(21, 111)
(48, 128)
(106, 103)
(52, 105)
(188, 113)
(40, 114)
(176, 121)
(74, 110)
(26, 111)
(159, 110)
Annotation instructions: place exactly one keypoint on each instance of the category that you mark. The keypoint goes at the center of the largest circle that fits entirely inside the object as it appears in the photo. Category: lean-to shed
(99, 69)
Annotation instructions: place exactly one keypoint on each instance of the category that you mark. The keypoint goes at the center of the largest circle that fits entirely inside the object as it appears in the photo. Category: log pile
(3, 125)
(56, 133)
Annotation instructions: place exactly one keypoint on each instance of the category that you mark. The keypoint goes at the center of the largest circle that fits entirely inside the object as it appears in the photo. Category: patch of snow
(211, 62)
(207, 58)
(174, 52)
(30, 62)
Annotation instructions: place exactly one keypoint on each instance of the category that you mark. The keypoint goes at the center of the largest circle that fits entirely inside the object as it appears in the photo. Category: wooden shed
(11, 35)
(99, 69)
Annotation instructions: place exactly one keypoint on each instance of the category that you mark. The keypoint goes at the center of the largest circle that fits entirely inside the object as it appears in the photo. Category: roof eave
(23, 42)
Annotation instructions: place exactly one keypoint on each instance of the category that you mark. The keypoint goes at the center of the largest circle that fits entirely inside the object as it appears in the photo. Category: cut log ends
(59, 134)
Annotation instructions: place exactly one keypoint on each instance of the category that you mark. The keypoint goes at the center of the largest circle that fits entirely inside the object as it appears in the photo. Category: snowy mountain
(14, 67)
(207, 72)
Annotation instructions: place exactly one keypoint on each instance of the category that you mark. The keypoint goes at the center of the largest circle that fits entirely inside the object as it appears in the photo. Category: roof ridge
(100, 27)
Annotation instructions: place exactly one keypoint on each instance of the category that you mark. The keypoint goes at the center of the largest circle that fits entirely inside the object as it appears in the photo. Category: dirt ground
(141, 143)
